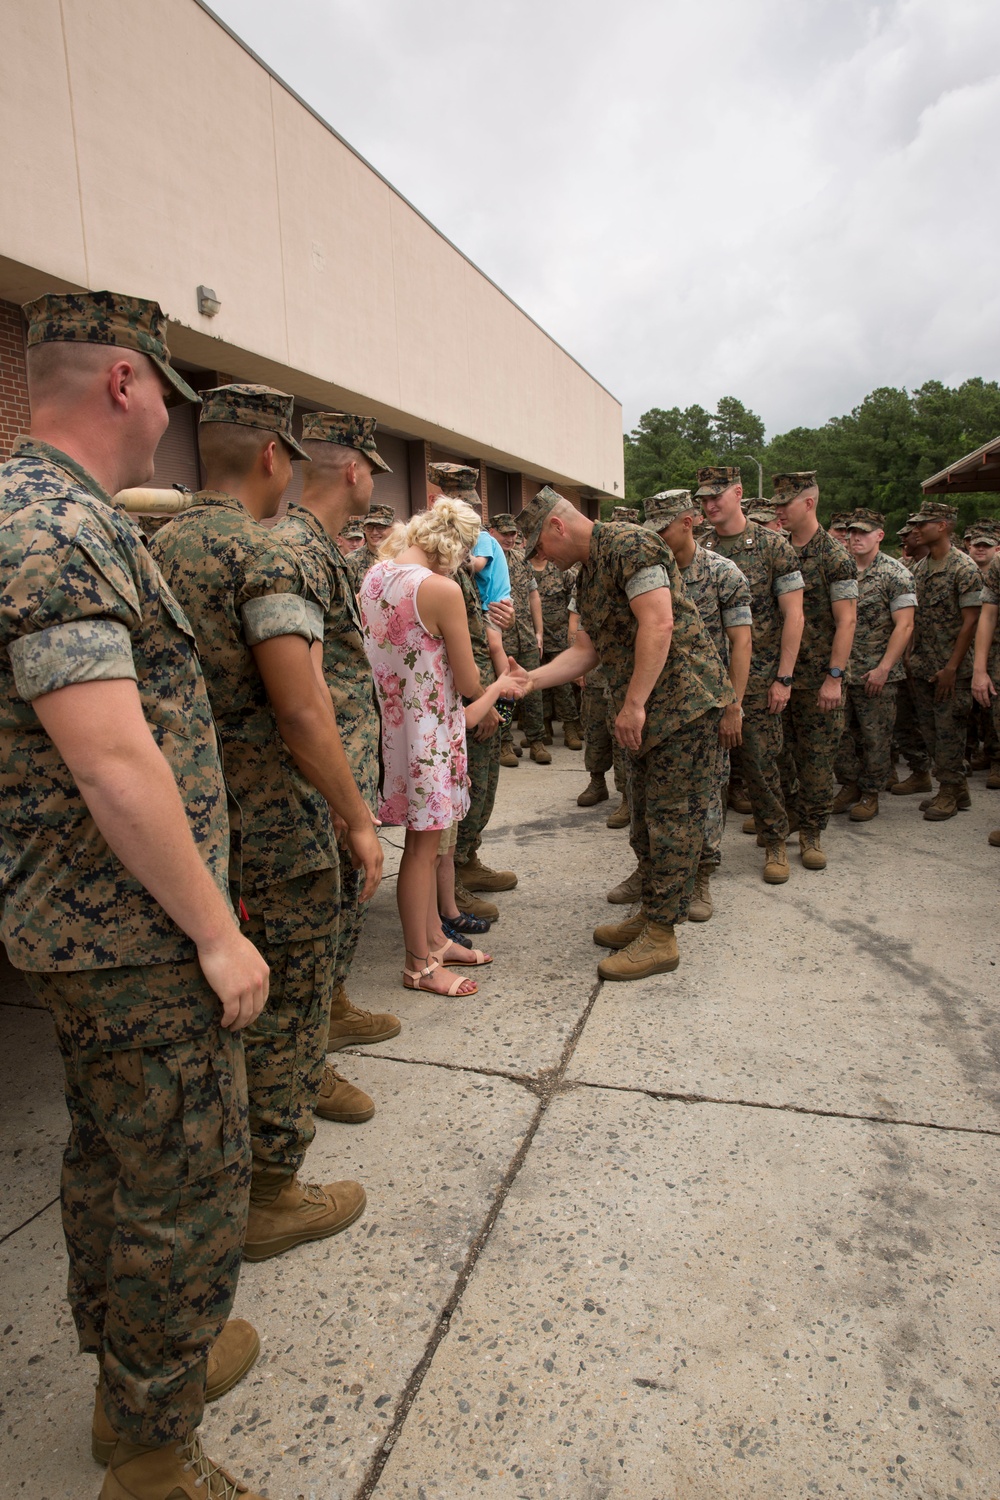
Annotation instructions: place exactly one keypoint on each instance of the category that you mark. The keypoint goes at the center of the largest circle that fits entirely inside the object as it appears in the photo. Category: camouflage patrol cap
(715, 479)
(253, 406)
(625, 513)
(984, 529)
(933, 510)
(380, 515)
(904, 530)
(840, 519)
(663, 509)
(454, 479)
(532, 517)
(345, 430)
(865, 520)
(353, 532)
(504, 522)
(106, 318)
(761, 511)
(788, 486)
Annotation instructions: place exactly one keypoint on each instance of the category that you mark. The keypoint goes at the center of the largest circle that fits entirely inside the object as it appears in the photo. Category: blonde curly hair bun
(446, 533)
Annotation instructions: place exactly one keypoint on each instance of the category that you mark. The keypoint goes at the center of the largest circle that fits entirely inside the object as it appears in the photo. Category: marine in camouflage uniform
(520, 641)
(721, 596)
(671, 773)
(156, 1171)
(352, 692)
(769, 564)
(949, 593)
(376, 524)
(885, 594)
(241, 587)
(555, 589)
(813, 732)
(986, 675)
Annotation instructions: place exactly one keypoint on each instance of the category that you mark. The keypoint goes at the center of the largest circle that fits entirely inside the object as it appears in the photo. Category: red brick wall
(14, 410)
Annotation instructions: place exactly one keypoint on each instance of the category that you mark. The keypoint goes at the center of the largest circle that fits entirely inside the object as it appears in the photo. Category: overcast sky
(789, 201)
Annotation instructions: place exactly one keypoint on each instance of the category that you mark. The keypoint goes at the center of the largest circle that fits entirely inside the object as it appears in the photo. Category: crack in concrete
(546, 1085)
(29, 1220)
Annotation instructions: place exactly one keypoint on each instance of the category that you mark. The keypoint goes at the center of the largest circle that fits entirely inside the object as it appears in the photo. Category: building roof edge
(401, 196)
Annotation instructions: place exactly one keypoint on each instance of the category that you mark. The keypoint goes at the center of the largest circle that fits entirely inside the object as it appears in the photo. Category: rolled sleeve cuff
(77, 651)
(646, 580)
(532, 586)
(846, 588)
(903, 601)
(990, 596)
(738, 615)
(789, 583)
(971, 599)
(274, 615)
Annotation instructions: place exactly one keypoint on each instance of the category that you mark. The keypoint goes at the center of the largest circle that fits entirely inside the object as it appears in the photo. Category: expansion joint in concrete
(546, 1086)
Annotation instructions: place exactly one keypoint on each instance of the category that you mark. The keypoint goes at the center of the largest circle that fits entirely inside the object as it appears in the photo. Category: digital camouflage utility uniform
(812, 733)
(240, 586)
(555, 590)
(671, 776)
(349, 678)
(156, 1170)
(770, 566)
(520, 643)
(991, 595)
(865, 754)
(722, 597)
(484, 755)
(943, 588)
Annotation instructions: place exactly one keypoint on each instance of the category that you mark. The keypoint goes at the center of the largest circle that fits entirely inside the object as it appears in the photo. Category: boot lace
(219, 1484)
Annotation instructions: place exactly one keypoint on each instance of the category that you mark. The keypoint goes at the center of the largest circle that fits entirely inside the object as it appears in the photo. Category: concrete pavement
(727, 1232)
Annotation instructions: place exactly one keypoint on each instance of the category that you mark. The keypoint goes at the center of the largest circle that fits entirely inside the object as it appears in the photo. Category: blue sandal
(465, 922)
(450, 930)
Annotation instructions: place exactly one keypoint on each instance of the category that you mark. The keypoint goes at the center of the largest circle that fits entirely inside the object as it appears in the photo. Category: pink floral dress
(423, 723)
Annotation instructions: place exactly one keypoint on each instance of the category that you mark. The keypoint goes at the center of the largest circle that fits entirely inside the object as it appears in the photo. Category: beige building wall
(208, 171)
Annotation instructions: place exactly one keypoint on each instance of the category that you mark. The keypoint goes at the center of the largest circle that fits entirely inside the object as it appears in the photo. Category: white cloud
(788, 202)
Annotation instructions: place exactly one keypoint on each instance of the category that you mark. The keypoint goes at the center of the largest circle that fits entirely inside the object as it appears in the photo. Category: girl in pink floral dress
(417, 640)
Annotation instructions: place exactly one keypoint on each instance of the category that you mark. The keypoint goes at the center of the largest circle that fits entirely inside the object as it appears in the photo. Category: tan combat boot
(749, 825)
(845, 799)
(339, 1100)
(628, 890)
(701, 907)
(547, 735)
(476, 876)
(475, 906)
(234, 1352)
(917, 781)
(994, 838)
(595, 791)
(654, 951)
(178, 1471)
(351, 1027)
(811, 851)
(776, 863)
(944, 805)
(621, 817)
(508, 755)
(620, 934)
(865, 808)
(571, 735)
(539, 754)
(285, 1212)
(993, 779)
(738, 799)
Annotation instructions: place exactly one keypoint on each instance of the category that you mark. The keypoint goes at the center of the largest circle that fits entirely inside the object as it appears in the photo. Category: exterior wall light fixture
(208, 302)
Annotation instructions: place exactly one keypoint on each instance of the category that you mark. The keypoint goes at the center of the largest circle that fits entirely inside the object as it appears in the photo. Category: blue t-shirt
(493, 581)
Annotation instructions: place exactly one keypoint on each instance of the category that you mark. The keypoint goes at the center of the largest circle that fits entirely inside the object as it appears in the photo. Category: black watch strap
(785, 681)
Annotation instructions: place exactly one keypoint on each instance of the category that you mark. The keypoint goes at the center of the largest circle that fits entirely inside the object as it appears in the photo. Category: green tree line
(875, 456)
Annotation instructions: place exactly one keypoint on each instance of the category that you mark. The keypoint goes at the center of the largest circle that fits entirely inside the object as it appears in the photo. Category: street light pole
(760, 472)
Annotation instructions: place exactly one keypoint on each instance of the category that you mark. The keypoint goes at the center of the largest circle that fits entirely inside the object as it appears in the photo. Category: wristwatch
(785, 681)
(835, 672)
